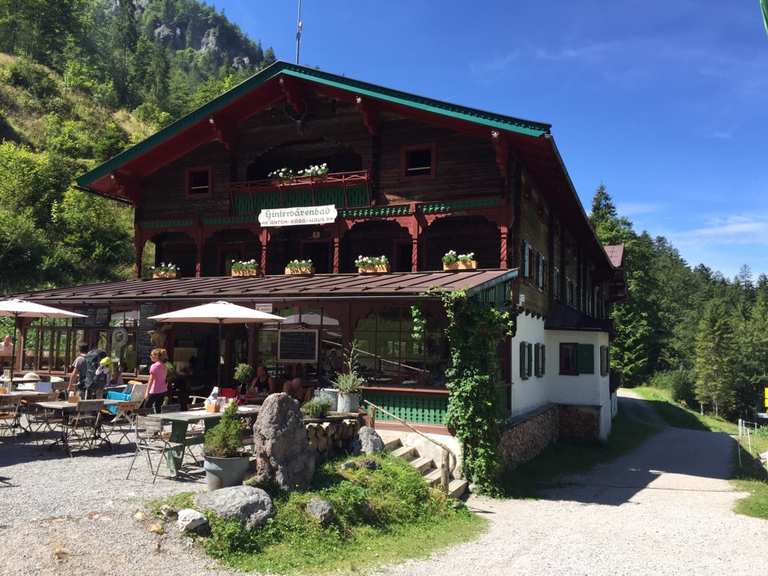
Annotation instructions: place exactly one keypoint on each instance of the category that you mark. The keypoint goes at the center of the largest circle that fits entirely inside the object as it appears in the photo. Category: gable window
(198, 181)
(419, 161)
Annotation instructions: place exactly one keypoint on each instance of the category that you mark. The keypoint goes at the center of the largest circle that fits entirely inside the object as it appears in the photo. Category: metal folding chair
(83, 427)
(150, 439)
(121, 423)
(9, 415)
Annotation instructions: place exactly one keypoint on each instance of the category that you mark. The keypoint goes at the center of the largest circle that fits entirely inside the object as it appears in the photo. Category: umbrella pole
(13, 350)
(218, 361)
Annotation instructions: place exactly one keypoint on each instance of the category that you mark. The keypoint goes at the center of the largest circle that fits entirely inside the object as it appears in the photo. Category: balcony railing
(344, 189)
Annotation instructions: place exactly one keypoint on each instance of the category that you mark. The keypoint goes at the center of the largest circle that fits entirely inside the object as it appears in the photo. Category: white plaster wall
(528, 394)
(606, 420)
(582, 389)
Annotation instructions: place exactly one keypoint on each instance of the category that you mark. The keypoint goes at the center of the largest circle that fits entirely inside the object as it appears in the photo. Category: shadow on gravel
(693, 459)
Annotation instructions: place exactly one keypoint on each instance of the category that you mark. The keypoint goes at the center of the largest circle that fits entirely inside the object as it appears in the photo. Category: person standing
(158, 381)
(77, 377)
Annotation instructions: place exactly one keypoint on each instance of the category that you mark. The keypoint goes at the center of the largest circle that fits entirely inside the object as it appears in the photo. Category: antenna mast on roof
(299, 27)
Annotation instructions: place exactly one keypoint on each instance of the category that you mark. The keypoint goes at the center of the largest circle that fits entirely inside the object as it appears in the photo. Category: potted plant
(243, 375)
(245, 268)
(316, 408)
(454, 261)
(282, 175)
(164, 271)
(372, 264)
(300, 267)
(349, 383)
(224, 463)
(314, 171)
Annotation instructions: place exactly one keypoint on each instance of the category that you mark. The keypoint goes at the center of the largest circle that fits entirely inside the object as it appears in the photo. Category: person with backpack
(92, 381)
(77, 377)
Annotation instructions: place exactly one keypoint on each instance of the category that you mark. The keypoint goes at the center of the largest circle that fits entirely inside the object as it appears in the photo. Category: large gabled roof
(531, 141)
(430, 105)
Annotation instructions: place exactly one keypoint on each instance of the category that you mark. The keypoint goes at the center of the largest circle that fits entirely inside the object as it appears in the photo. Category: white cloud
(630, 209)
(586, 52)
(495, 64)
(734, 229)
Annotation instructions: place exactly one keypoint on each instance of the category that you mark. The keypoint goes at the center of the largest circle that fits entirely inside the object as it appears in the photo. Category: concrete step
(422, 464)
(405, 452)
(392, 445)
(433, 477)
(456, 488)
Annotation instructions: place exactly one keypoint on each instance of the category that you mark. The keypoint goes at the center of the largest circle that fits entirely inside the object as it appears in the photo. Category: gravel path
(663, 509)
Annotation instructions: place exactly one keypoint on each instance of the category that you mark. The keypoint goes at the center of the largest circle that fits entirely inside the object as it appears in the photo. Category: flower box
(461, 265)
(164, 275)
(246, 272)
(306, 270)
(376, 269)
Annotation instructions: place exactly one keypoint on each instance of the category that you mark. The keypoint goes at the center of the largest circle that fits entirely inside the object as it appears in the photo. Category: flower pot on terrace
(245, 272)
(461, 265)
(300, 271)
(223, 472)
(348, 401)
(331, 395)
(378, 269)
(160, 275)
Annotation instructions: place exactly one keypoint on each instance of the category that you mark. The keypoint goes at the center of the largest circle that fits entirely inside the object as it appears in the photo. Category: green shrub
(316, 408)
(32, 77)
(678, 382)
(243, 373)
(225, 440)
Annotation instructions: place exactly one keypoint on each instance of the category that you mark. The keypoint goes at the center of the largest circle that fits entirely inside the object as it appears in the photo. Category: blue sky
(666, 102)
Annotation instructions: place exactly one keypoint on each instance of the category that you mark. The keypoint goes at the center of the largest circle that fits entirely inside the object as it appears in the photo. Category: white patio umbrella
(218, 313)
(16, 309)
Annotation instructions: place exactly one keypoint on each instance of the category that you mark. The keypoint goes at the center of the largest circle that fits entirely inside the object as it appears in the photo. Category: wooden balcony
(344, 189)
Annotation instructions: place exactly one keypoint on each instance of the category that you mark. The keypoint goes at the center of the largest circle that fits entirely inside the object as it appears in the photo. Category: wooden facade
(410, 178)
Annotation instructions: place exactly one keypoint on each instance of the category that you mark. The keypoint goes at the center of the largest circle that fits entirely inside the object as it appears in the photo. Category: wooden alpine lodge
(300, 164)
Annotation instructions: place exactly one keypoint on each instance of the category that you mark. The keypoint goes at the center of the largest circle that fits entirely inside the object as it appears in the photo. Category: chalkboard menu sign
(144, 344)
(297, 346)
(94, 318)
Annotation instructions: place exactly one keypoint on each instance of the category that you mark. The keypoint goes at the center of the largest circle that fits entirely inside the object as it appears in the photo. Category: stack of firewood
(329, 437)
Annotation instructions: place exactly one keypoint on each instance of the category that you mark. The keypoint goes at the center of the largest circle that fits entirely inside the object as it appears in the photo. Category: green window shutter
(585, 358)
(529, 361)
(523, 358)
(525, 259)
(543, 360)
(536, 360)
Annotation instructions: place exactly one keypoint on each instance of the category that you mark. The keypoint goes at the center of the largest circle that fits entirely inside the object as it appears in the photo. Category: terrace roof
(275, 288)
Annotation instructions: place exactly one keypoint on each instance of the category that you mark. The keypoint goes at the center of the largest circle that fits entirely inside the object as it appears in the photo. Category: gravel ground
(663, 509)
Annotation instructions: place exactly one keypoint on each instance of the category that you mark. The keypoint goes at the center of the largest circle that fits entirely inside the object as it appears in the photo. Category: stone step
(405, 452)
(422, 464)
(433, 477)
(392, 445)
(456, 488)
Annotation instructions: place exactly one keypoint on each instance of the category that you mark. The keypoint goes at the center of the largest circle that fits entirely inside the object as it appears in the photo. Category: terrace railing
(343, 189)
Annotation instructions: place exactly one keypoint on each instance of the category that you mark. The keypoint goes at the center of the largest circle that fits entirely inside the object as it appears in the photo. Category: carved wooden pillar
(199, 243)
(264, 239)
(503, 234)
(336, 251)
(138, 251)
(413, 230)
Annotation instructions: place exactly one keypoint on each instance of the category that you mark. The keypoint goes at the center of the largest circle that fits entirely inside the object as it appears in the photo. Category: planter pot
(348, 402)
(300, 271)
(380, 269)
(248, 272)
(223, 472)
(164, 275)
(329, 394)
(471, 265)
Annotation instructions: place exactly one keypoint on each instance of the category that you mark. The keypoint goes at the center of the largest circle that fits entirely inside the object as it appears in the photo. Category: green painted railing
(411, 407)
(440, 207)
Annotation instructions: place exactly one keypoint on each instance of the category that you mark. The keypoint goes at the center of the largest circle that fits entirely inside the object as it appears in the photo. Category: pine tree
(716, 359)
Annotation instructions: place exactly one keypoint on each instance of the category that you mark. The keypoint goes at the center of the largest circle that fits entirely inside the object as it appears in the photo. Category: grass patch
(679, 416)
(748, 474)
(383, 515)
(560, 460)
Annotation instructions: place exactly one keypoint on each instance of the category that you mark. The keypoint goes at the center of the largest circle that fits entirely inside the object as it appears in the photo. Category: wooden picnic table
(24, 394)
(66, 408)
(180, 422)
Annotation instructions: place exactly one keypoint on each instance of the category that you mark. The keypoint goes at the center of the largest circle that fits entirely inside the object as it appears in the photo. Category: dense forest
(690, 330)
(82, 79)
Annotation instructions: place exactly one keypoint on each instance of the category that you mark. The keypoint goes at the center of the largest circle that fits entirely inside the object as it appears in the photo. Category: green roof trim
(223, 220)
(497, 121)
(155, 224)
(376, 211)
(440, 207)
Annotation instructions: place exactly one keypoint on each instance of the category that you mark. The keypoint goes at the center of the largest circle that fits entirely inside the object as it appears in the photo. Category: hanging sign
(299, 216)
(297, 346)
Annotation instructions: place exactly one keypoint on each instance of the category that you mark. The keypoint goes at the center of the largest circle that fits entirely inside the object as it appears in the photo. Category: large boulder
(367, 441)
(321, 510)
(283, 455)
(250, 505)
